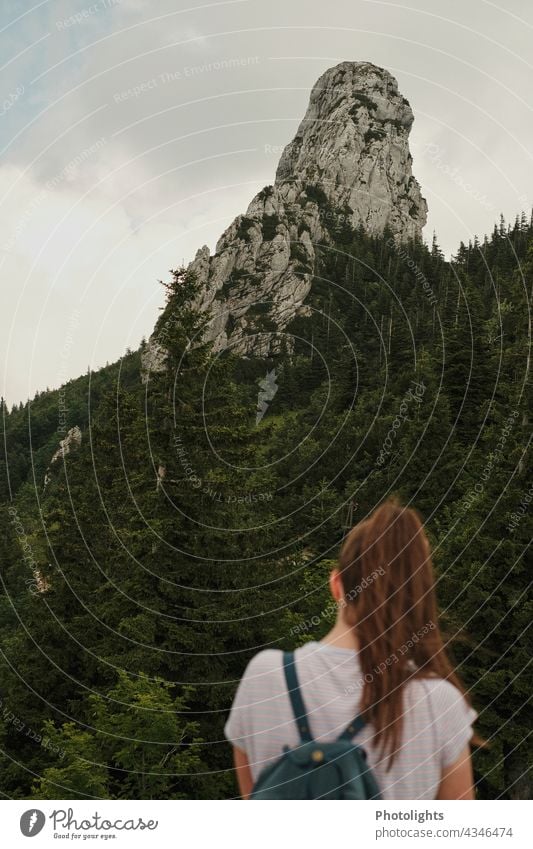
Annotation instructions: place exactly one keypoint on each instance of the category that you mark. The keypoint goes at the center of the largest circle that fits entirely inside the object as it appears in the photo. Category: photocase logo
(267, 389)
(32, 822)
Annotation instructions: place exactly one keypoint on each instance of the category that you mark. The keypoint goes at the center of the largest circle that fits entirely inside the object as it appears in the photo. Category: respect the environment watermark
(66, 173)
(185, 73)
(198, 483)
(418, 273)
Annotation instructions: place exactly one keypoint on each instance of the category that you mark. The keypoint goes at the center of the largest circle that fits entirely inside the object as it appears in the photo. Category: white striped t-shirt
(436, 722)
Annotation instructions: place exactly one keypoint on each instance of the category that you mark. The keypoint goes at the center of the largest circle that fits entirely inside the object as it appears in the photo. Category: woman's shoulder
(263, 663)
(269, 662)
(438, 687)
(443, 695)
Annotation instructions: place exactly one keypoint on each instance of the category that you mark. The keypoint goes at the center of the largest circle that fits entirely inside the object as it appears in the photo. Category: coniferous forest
(197, 519)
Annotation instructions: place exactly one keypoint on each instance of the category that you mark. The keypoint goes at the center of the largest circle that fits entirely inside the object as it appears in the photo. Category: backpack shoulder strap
(295, 696)
(353, 728)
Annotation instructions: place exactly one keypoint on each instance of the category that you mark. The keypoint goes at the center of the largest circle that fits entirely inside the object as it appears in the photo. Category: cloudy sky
(132, 132)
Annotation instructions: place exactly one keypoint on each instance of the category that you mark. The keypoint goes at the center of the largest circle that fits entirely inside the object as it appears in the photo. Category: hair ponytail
(395, 615)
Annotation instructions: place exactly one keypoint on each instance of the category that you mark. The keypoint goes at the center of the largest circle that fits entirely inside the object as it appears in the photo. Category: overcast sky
(133, 132)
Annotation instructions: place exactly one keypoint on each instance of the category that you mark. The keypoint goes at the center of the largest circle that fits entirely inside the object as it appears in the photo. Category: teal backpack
(314, 770)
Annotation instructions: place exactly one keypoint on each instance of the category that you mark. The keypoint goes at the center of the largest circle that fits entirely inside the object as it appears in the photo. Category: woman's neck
(342, 636)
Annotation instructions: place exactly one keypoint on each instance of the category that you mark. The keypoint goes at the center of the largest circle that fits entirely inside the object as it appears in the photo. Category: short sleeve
(255, 687)
(236, 728)
(454, 718)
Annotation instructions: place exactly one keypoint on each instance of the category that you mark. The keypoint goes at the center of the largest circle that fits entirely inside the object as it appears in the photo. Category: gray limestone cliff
(349, 163)
(71, 441)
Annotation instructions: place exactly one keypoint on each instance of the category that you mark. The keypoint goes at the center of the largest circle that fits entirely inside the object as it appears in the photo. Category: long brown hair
(388, 583)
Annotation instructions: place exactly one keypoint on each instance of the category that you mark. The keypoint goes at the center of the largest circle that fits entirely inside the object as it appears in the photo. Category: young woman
(384, 658)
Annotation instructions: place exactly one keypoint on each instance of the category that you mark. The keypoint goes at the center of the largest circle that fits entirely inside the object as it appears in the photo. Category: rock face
(353, 142)
(349, 163)
(71, 440)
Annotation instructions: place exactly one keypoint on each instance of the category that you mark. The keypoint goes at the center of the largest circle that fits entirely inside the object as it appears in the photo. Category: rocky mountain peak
(353, 143)
(349, 163)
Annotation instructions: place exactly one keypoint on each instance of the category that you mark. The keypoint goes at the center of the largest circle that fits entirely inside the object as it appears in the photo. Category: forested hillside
(186, 531)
